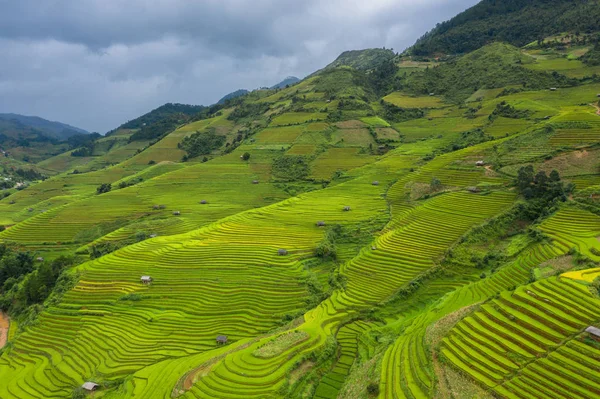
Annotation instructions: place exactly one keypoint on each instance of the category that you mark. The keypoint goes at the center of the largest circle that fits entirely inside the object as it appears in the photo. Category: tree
(525, 177)
(103, 188)
(436, 184)
(246, 156)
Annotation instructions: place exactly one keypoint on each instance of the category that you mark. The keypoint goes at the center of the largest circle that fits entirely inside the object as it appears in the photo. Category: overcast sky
(98, 63)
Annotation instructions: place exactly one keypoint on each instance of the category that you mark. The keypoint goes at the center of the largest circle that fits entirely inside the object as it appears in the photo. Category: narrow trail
(4, 324)
(597, 108)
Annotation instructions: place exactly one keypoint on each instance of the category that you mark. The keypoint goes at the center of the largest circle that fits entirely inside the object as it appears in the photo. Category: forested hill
(161, 113)
(518, 22)
(14, 124)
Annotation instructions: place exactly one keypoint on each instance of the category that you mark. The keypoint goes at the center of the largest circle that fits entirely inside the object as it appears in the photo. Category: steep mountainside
(518, 22)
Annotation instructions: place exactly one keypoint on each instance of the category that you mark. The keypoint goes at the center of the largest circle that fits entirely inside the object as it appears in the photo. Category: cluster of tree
(82, 140)
(508, 111)
(245, 110)
(592, 57)
(129, 183)
(393, 113)
(86, 151)
(541, 186)
(201, 143)
(163, 112)
(103, 188)
(29, 174)
(468, 139)
(326, 248)
(22, 282)
(518, 22)
(384, 78)
(291, 167)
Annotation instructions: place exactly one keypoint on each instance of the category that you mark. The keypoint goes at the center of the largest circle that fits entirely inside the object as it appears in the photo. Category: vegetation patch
(280, 344)
(201, 143)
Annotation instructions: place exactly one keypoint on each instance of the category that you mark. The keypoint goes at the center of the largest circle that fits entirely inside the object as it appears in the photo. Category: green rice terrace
(392, 226)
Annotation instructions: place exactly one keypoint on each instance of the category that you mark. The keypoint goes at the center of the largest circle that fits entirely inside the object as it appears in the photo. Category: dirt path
(4, 324)
(597, 108)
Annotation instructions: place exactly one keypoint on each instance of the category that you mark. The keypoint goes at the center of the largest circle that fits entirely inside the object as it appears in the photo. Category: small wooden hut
(146, 279)
(221, 339)
(90, 386)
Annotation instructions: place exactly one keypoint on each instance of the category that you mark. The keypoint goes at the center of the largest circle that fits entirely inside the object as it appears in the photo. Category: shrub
(103, 188)
(373, 389)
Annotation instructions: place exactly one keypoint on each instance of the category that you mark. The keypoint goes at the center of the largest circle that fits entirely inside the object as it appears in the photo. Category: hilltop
(232, 95)
(517, 22)
(391, 226)
(290, 80)
(362, 60)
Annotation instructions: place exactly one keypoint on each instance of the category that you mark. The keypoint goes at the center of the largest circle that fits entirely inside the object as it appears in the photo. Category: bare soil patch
(4, 326)
(354, 124)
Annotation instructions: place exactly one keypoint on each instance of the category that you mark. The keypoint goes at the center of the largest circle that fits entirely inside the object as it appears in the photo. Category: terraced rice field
(294, 118)
(519, 331)
(300, 325)
(404, 101)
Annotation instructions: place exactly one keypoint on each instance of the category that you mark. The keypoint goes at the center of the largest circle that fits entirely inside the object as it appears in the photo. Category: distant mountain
(162, 112)
(362, 60)
(235, 94)
(290, 80)
(14, 124)
(517, 22)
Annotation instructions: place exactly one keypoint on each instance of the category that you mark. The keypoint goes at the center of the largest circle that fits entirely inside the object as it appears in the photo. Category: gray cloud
(98, 63)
